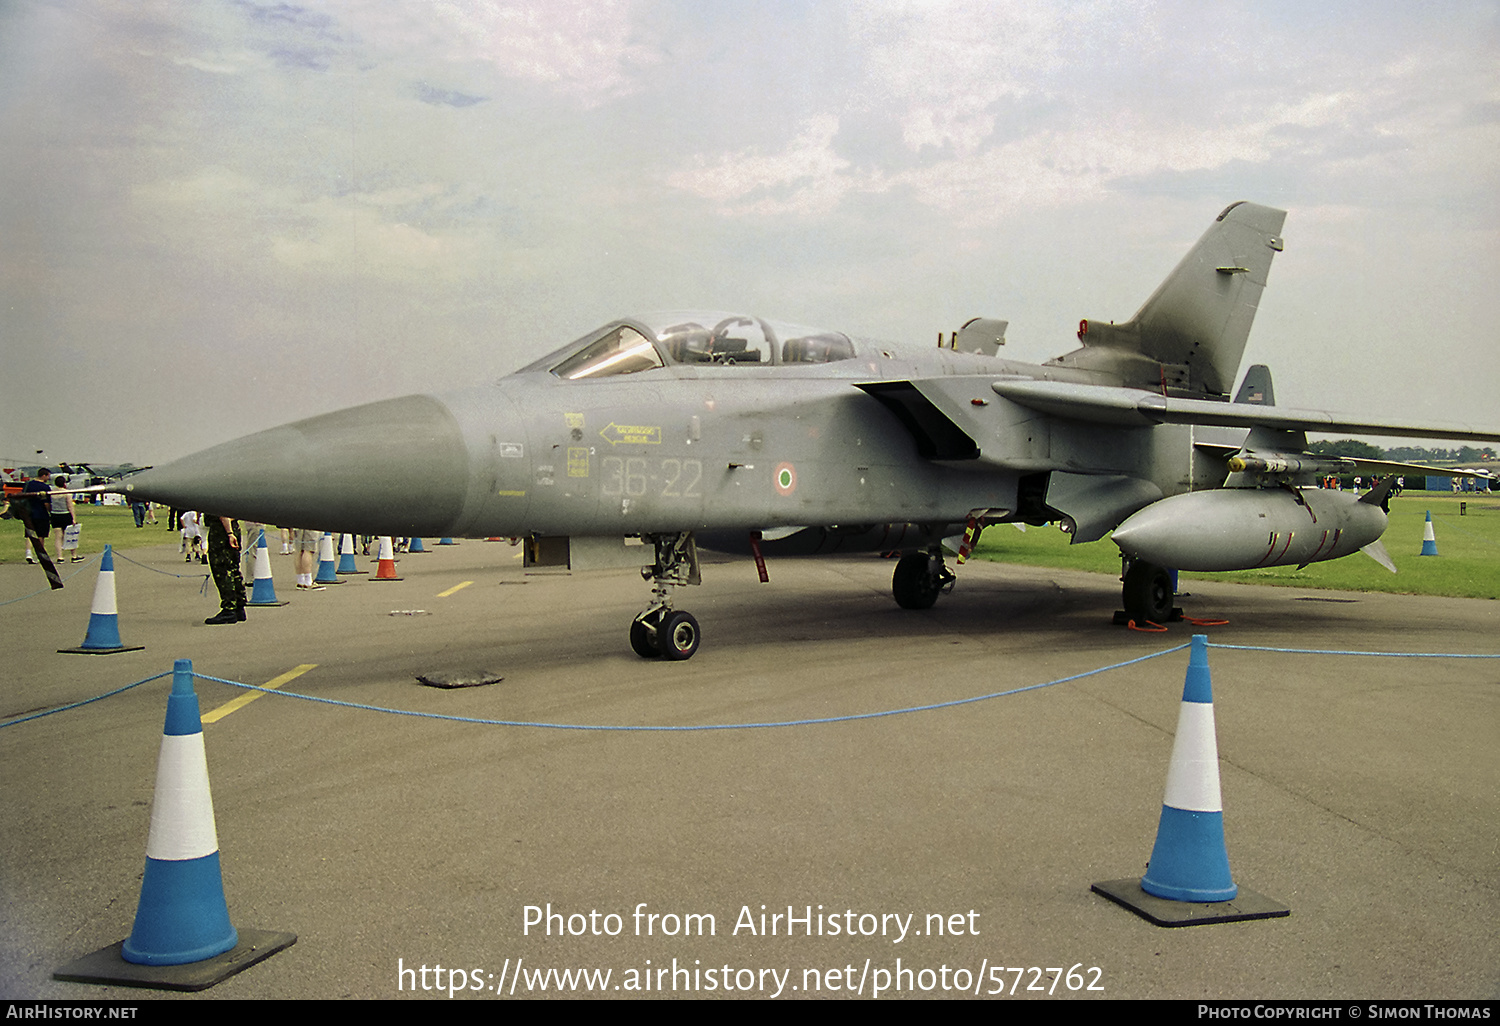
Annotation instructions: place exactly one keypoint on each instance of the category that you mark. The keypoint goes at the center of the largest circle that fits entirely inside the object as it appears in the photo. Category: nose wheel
(659, 631)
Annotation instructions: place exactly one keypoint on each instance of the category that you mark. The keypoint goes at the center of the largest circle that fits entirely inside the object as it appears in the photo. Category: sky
(220, 215)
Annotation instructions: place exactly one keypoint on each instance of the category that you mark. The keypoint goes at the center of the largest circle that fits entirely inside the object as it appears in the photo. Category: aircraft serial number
(634, 476)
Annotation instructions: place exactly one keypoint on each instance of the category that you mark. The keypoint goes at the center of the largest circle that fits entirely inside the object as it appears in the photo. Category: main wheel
(912, 585)
(644, 640)
(678, 635)
(1148, 592)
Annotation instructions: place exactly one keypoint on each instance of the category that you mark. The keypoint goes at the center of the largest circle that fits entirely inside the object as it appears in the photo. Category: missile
(1286, 465)
(1246, 528)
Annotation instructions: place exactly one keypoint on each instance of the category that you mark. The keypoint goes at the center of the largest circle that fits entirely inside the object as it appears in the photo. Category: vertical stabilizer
(1188, 337)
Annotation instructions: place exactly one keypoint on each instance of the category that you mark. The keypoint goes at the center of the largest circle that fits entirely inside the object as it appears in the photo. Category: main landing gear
(920, 578)
(1147, 593)
(659, 631)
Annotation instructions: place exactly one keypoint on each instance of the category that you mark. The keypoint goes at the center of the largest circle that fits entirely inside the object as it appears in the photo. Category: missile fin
(1376, 551)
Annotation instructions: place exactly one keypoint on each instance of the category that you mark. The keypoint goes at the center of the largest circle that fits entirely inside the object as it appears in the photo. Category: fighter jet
(735, 431)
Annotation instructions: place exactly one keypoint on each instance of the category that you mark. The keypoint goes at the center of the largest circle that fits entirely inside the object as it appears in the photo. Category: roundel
(786, 479)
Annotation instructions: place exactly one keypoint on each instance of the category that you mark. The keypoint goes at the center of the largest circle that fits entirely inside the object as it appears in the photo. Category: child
(192, 541)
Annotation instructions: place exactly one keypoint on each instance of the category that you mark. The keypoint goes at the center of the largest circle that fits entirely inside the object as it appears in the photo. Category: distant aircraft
(748, 433)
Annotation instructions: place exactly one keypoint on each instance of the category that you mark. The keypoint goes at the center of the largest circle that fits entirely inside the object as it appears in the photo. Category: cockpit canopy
(689, 338)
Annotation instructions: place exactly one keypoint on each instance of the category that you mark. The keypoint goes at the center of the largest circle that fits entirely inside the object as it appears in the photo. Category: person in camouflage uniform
(224, 562)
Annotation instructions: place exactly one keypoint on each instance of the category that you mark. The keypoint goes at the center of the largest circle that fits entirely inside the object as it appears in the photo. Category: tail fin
(1256, 389)
(1187, 339)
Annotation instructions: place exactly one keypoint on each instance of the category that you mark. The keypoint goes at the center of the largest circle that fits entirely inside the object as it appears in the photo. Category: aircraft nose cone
(397, 467)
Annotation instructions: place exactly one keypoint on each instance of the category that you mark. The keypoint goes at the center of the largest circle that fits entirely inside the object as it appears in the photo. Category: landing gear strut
(920, 578)
(660, 631)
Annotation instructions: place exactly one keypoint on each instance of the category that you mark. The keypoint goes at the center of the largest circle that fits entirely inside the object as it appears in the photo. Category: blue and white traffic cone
(415, 545)
(446, 541)
(103, 634)
(1429, 540)
(264, 591)
(327, 574)
(1190, 862)
(182, 916)
(347, 565)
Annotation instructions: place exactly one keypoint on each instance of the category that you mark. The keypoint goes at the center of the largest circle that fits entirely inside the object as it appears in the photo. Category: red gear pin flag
(971, 535)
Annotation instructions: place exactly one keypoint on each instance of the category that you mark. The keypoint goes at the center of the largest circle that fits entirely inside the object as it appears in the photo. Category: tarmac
(1362, 792)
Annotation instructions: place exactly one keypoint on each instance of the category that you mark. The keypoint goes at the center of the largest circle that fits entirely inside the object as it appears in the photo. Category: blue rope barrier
(757, 725)
(1350, 652)
(48, 590)
(86, 701)
(702, 726)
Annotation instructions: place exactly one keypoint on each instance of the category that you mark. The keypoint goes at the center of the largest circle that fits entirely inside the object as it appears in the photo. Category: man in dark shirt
(38, 497)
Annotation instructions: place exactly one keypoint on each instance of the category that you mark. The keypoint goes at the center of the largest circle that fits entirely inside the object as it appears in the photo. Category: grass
(1467, 564)
(102, 525)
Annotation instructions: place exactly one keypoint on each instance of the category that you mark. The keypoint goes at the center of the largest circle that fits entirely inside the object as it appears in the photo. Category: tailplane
(1188, 337)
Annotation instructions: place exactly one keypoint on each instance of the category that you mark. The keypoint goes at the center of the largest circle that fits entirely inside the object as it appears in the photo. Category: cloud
(384, 233)
(807, 177)
(943, 66)
(445, 97)
(590, 51)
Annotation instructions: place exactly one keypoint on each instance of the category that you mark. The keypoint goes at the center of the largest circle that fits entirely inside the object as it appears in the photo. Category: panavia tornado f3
(735, 432)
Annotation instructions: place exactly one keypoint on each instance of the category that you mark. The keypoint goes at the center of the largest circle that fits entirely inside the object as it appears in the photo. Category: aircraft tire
(911, 584)
(678, 635)
(1147, 593)
(643, 641)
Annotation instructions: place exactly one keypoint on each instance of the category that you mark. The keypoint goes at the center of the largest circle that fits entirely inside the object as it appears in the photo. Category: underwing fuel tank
(1245, 528)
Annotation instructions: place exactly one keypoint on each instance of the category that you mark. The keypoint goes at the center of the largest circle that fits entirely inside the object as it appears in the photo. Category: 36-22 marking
(631, 476)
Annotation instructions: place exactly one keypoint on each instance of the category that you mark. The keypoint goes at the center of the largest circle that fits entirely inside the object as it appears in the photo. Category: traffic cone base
(108, 968)
(1246, 905)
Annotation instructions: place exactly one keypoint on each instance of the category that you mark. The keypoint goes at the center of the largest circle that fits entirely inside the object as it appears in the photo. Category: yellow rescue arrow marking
(630, 434)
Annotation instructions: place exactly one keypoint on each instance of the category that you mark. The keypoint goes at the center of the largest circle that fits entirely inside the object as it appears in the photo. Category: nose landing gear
(660, 631)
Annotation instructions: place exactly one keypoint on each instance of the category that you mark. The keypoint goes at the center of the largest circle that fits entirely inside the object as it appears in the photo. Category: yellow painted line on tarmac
(250, 696)
(456, 587)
